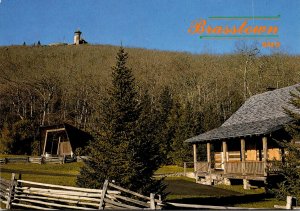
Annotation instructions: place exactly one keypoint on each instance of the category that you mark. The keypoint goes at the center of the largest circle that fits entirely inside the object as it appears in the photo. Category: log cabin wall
(252, 150)
(217, 153)
(233, 154)
(234, 150)
(253, 147)
(274, 151)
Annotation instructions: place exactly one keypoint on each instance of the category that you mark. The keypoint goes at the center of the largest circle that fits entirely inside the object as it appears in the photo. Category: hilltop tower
(77, 37)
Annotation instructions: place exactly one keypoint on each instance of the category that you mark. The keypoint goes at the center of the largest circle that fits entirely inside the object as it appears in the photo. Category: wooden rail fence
(39, 160)
(18, 193)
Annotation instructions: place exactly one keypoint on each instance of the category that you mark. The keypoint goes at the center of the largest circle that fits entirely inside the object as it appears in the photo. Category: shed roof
(260, 114)
(77, 137)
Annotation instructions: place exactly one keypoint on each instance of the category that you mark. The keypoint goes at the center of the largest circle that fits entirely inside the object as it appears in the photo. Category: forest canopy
(44, 85)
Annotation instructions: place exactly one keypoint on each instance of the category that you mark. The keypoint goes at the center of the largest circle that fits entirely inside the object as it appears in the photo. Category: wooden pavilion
(246, 145)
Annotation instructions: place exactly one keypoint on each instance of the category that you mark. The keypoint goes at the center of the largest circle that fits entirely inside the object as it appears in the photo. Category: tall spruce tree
(290, 168)
(123, 150)
(186, 127)
(164, 132)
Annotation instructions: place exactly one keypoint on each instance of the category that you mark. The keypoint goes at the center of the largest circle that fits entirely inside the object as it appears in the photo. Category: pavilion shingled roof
(260, 114)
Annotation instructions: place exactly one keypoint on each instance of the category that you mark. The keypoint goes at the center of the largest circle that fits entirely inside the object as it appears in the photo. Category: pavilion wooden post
(208, 157)
(46, 135)
(282, 155)
(265, 152)
(224, 155)
(243, 156)
(195, 156)
(58, 147)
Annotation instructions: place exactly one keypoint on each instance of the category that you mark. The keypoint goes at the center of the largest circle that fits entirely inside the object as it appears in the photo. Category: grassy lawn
(32, 168)
(172, 169)
(180, 189)
(12, 156)
(50, 179)
(60, 174)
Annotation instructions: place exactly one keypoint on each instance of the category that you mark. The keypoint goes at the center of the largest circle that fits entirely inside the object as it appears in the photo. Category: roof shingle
(260, 114)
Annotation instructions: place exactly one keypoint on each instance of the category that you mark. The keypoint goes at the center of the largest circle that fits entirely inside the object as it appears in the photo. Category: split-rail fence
(41, 159)
(18, 193)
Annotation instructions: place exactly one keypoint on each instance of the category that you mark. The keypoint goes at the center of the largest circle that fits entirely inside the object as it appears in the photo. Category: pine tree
(187, 124)
(290, 172)
(148, 148)
(290, 167)
(164, 132)
(5, 140)
(123, 150)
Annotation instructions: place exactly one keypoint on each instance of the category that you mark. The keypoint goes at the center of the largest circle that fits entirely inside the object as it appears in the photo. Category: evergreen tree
(290, 172)
(123, 150)
(148, 148)
(5, 140)
(164, 133)
(186, 127)
(290, 167)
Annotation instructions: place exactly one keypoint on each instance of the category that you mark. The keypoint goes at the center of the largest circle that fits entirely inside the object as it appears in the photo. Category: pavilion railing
(245, 168)
(254, 167)
(202, 166)
(234, 168)
(242, 168)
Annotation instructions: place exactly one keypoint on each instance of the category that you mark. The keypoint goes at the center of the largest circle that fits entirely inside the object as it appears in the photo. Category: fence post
(105, 185)
(11, 191)
(20, 178)
(290, 202)
(43, 160)
(152, 202)
(184, 168)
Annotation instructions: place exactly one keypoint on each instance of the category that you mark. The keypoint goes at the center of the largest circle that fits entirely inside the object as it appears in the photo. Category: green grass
(265, 203)
(50, 179)
(180, 178)
(218, 195)
(171, 169)
(240, 189)
(12, 156)
(68, 168)
(59, 174)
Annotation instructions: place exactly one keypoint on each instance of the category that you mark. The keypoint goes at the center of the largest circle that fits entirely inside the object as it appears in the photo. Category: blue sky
(152, 24)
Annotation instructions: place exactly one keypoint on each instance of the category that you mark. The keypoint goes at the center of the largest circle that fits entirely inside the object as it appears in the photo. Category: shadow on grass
(186, 192)
(223, 200)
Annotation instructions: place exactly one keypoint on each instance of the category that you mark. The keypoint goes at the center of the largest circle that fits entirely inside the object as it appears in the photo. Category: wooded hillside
(45, 85)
